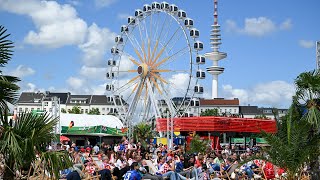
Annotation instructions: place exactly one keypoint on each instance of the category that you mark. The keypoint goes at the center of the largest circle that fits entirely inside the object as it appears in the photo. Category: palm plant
(308, 94)
(298, 138)
(292, 146)
(8, 87)
(21, 139)
(27, 136)
(142, 132)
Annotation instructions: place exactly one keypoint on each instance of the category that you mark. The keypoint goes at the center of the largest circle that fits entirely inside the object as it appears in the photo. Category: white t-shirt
(119, 164)
(96, 149)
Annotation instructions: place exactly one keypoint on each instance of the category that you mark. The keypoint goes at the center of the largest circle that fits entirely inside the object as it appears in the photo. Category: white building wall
(104, 109)
(27, 107)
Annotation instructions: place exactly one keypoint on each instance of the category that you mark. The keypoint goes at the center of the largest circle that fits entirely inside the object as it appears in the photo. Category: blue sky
(64, 45)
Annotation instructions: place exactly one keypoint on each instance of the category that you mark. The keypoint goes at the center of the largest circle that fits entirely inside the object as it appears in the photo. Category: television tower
(215, 55)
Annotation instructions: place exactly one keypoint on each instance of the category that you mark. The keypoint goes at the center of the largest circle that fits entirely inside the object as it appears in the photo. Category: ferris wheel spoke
(131, 41)
(127, 84)
(134, 61)
(139, 55)
(165, 36)
(168, 99)
(156, 26)
(157, 40)
(164, 47)
(169, 57)
(174, 43)
(142, 38)
(158, 77)
(156, 84)
(133, 104)
(175, 57)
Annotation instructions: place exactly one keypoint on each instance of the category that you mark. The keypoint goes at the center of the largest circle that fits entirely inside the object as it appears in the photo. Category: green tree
(262, 116)
(298, 139)
(29, 133)
(142, 132)
(94, 111)
(8, 88)
(75, 110)
(291, 146)
(63, 110)
(198, 145)
(308, 97)
(210, 112)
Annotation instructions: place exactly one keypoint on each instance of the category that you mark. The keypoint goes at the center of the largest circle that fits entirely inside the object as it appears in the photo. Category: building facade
(63, 102)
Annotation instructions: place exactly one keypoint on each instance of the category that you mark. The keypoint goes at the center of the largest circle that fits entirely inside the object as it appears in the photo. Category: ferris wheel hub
(143, 70)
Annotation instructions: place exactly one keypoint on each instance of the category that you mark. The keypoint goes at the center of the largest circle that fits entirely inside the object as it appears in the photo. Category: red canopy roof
(219, 124)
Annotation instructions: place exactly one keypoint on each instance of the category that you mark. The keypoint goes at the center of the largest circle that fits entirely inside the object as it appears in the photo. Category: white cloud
(56, 25)
(98, 42)
(22, 71)
(286, 25)
(30, 87)
(260, 26)
(306, 43)
(123, 16)
(178, 84)
(93, 72)
(274, 93)
(76, 83)
(104, 3)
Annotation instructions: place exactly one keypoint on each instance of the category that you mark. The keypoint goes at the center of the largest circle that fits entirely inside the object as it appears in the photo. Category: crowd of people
(132, 161)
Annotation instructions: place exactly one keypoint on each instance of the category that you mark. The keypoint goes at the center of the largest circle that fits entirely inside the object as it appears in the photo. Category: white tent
(85, 120)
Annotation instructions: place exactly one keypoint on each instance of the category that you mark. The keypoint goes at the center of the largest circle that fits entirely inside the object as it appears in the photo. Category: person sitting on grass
(133, 174)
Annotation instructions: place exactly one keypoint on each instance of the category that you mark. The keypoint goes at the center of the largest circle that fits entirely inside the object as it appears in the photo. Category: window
(103, 109)
(107, 109)
(82, 111)
(20, 109)
(38, 109)
(220, 110)
(44, 109)
(86, 111)
(235, 110)
(230, 110)
(32, 109)
(201, 110)
(26, 109)
(50, 110)
(46, 104)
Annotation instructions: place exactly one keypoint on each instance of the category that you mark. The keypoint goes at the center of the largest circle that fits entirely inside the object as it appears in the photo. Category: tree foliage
(210, 112)
(22, 139)
(75, 110)
(198, 145)
(298, 138)
(262, 116)
(63, 110)
(94, 111)
(8, 88)
(142, 132)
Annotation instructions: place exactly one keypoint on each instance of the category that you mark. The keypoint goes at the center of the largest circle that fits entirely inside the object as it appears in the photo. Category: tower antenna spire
(215, 55)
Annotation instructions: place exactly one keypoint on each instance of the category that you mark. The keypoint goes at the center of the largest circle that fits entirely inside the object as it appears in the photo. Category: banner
(92, 130)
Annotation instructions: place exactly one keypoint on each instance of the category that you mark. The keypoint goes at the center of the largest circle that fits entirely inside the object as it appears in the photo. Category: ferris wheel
(155, 70)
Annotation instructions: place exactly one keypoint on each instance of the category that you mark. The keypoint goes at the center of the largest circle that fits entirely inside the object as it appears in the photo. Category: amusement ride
(156, 50)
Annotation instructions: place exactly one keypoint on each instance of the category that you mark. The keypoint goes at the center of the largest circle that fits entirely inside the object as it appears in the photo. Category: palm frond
(52, 162)
(5, 47)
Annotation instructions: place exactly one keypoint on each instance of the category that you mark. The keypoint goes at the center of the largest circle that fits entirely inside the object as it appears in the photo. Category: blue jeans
(249, 172)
